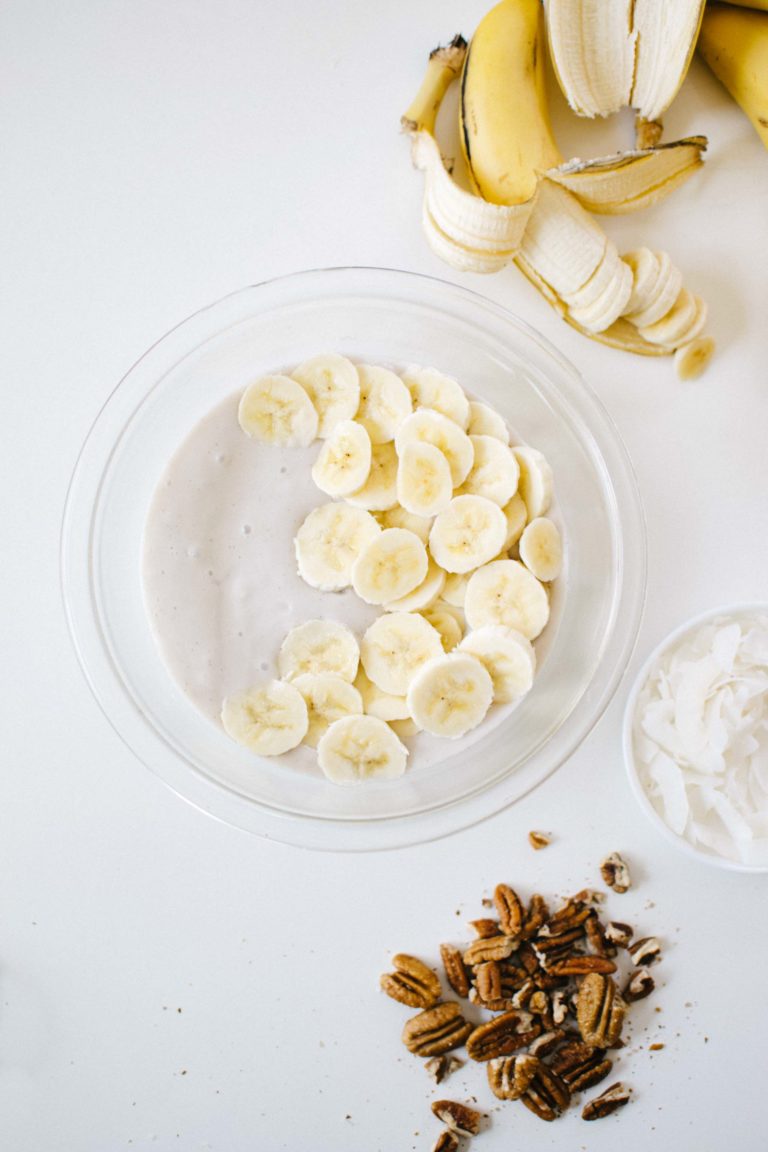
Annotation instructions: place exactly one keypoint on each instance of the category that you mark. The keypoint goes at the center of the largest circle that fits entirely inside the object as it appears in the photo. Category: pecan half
(501, 1036)
(539, 840)
(447, 1141)
(582, 966)
(436, 1030)
(596, 937)
(489, 948)
(639, 985)
(572, 914)
(646, 951)
(510, 909)
(501, 1077)
(618, 933)
(545, 942)
(455, 972)
(488, 980)
(458, 1117)
(615, 873)
(607, 1102)
(580, 1065)
(541, 1089)
(535, 916)
(485, 928)
(441, 1067)
(600, 1011)
(411, 983)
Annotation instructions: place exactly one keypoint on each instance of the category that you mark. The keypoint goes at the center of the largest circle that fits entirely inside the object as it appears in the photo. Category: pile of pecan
(549, 981)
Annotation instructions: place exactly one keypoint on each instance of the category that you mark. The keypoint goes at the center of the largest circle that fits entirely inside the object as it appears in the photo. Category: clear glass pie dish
(391, 317)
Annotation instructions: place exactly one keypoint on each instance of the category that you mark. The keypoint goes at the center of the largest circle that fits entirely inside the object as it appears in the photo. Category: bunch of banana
(528, 206)
(734, 43)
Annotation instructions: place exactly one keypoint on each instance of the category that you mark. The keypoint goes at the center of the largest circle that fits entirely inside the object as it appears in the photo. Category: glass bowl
(374, 315)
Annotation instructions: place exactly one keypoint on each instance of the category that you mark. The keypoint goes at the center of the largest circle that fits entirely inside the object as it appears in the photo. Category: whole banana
(734, 43)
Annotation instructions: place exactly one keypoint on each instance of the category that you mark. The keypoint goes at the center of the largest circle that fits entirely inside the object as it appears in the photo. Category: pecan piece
(501, 1077)
(485, 928)
(539, 840)
(596, 937)
(541, 1089)
(600, 1011)
(607, 1102)
(411, 983)
(580, 1065)
(455, 972)
(535, 917)
(504, 1004)
(458, 1117)
(582, 966)
(639, 985)
(447, 1141)
(545, 942)
(618, 933)
(488, 980)
(510, 909)
(546, 1044)
(567, 918)
(489, 948)
(646, 951)
(501, 1036)
(441, 1067)
(615, 873)
(559, 1006)
(436, 1030)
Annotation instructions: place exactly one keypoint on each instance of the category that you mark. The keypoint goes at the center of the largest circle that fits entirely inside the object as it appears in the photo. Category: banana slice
(430, 389)
(469, 533)
(455, 589)
(397, 517)
(609, 305)
(535, 484)
(448, 621)
(603, 275)
(516, 514)
(328, 698)
(344, 461)
(541, 549)
(391, 566)
(380, 489)
(383, 705)
(450, 695)
(269, 719)
(404, 729)
(328, 543)
(494, 473)
(434, 428)
(674, 324)
(424, 485)
(486, 421)
(394, 647)
(692, 359)
(507, 656)
(358, 748)
(645, 273)
(277, 410)
(332, 384)
(423, 596)
(505, 592)
(319, 646)
(664, 293)
(384, 402)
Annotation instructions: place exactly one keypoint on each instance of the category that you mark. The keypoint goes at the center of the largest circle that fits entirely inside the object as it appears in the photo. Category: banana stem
(647, 132)
(444, 65)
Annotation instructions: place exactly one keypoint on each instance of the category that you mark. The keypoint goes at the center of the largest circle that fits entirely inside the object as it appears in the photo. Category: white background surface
(167, 982)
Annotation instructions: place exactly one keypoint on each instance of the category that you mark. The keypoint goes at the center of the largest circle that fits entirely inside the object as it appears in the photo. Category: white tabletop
(167, 982)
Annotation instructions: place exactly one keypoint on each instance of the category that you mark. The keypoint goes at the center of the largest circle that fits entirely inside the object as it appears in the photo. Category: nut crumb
(655, 1047)
(539, 840)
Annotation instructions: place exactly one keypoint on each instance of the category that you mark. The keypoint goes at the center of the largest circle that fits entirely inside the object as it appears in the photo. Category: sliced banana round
(535, 484)
(675, 323)
(422, 596)
(448, 621)
(328, 543)
(455, 588)
(494, 473)
(397, 517)
(380, 489)
(486, 421)
(332, 385)
(359, 748)
(469, 533)
(431, 389)
(377, 703)
(433, 428)
(663, 295)
(319, 646)
(692, 359)
(645, 274)
(450, 695)
(517, 515)
(541, 549)
(394, 647)
(391, 566)
(384, 402)
(507, 656)
(344, 461)
(277, 410)
(269, 719)
(424, 485)
(505, 592)
(328, 698)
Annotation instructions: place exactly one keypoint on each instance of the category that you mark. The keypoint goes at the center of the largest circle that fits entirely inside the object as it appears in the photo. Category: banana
(486, 421)
(692, 359)
(678, 323)
(383, 705)
(392, 565)
(277, 410)
(430, 427)
(455, 589)
(319, 646)
(507, 656)
(358, 748)
(424, 485)
(505, 592)
(394, 647)
(541, 549)
(269, 719)
(450, 695)
(517, 515)
(494, 473)
(431, 389)
(469, 533)
(397, 517)
(327, 698)
(328, 543)
(379, 493)
(536, 484)
(448, 621)
(735, 46)
(384, 402)
(332, 384)
(422, 596)
(562, 242)
(344, 461)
